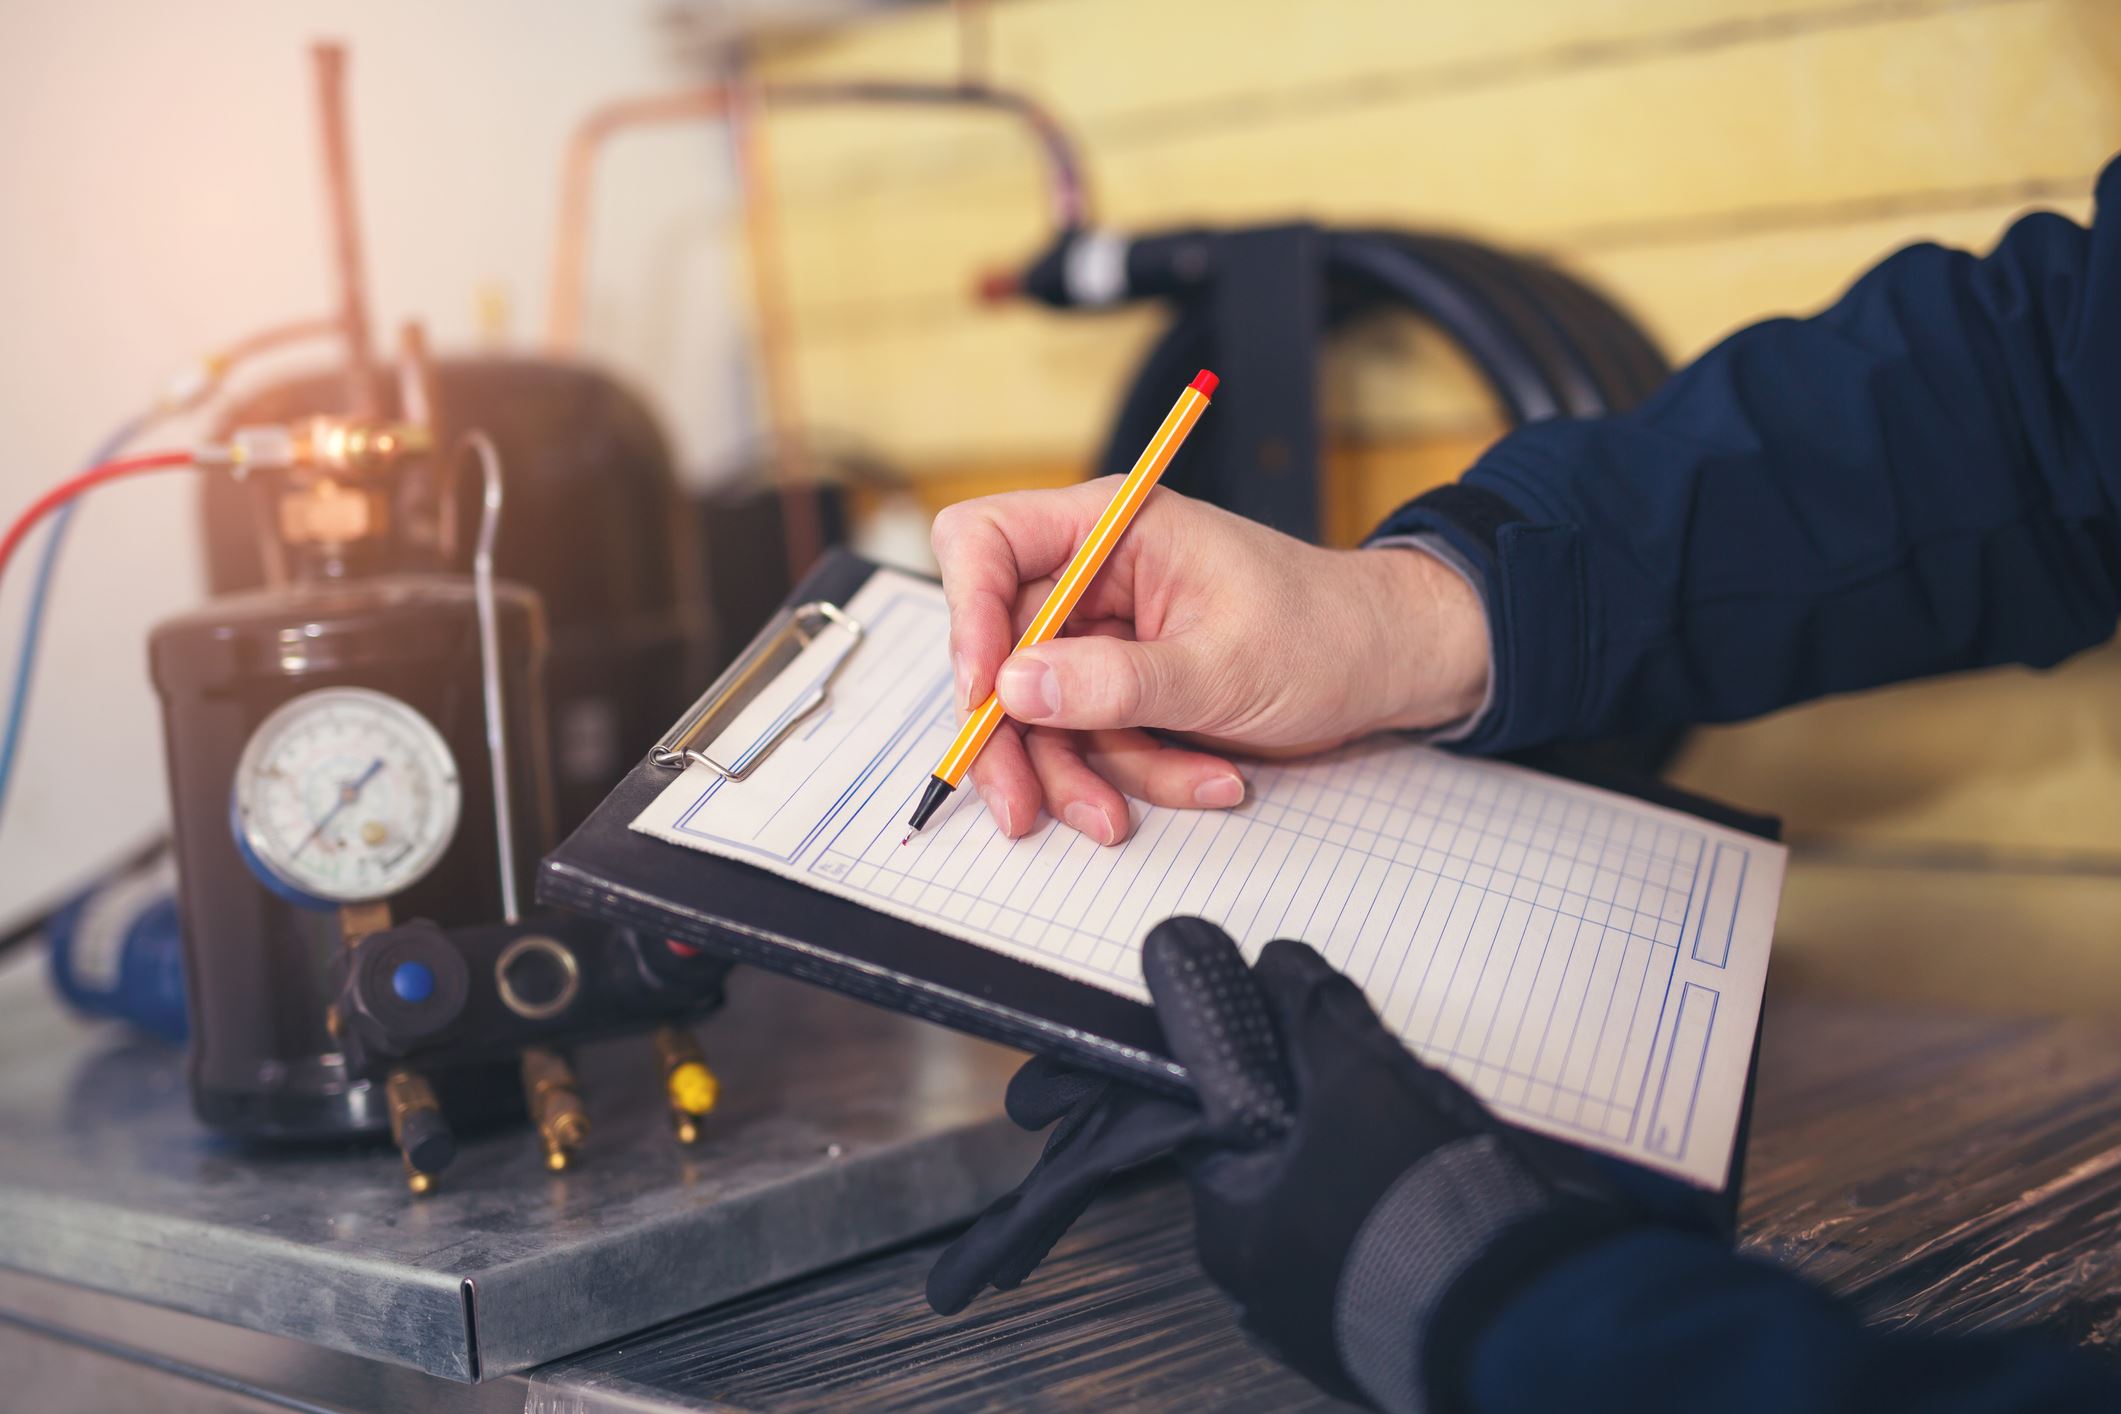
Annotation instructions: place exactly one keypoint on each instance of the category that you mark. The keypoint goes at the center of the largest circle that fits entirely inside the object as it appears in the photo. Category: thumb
(1214, 1018)
(1097, 682)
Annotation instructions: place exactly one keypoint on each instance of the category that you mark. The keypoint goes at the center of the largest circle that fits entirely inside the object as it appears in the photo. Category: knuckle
(1131, 677)
(949, 527)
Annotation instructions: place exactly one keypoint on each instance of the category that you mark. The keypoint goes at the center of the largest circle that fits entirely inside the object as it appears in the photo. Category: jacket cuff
(1431, 1229)
(1445, 554)
(1480, 1303)
(1531, 576)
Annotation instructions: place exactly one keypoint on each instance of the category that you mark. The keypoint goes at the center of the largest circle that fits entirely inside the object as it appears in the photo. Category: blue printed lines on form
(1547, 926)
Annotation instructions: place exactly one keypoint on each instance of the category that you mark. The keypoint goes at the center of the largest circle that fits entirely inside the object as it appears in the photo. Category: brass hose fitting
(418, 1128)
(555, 1105)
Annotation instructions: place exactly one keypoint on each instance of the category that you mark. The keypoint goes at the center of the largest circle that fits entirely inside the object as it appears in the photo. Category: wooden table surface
(1946, 1172)
(1943, 1171)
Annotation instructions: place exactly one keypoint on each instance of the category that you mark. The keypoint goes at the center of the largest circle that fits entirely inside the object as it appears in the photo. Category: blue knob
(412, 981)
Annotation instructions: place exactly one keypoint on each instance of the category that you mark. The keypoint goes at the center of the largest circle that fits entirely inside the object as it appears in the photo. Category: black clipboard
(609, 871)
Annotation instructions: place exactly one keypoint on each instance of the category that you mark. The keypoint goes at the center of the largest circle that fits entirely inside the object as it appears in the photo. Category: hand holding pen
(1200, 624)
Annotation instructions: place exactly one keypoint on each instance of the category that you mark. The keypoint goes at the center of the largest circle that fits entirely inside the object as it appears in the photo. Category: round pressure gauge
(344, 795)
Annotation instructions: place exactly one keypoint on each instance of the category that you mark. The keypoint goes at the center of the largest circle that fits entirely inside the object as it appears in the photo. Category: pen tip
(905, 839)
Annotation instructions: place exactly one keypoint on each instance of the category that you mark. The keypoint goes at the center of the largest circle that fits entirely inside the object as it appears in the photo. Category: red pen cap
(1205, 383)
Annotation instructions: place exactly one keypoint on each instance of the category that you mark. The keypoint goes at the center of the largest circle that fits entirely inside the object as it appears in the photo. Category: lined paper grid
(1588, 965)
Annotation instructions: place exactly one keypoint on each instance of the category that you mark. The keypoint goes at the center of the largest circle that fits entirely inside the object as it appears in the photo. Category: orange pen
(1068, 591)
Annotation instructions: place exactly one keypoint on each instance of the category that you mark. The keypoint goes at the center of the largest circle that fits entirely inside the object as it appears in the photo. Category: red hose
(74, 485)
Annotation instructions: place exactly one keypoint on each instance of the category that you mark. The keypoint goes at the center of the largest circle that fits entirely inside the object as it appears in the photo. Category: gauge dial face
(347, 794)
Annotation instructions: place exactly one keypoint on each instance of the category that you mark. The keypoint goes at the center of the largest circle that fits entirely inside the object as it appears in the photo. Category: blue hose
(39, 594)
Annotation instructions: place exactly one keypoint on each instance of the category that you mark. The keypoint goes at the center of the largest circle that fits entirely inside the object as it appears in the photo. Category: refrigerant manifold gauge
(344, 795)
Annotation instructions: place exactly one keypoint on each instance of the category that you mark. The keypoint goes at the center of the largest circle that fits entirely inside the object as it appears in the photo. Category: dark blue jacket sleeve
(1667, 1321)
(1923, 478)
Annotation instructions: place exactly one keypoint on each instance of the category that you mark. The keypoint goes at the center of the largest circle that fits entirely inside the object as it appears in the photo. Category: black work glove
(1366, 1213)
(1107, 1125)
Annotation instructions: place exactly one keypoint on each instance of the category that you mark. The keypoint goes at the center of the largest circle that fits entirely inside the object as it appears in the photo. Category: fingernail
(961, 666)
(1028, 689)
(1220, 792)
(1087, 819)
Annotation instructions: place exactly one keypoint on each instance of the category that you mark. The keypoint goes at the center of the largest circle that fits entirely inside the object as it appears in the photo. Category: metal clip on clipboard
(785, 636)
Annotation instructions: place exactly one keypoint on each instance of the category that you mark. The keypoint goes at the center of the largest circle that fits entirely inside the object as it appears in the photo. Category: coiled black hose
(1545, 343)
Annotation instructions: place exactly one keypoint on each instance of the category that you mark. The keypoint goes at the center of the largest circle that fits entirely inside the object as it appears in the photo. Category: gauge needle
(348, 794)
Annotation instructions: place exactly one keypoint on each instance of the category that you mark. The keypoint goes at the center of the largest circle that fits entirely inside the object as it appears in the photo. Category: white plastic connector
(249, 449)
(1095, 268)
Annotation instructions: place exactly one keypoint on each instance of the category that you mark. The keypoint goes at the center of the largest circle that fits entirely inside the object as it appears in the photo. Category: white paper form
(1589, 965)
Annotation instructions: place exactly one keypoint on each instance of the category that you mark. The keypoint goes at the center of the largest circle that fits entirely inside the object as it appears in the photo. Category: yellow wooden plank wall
(1708, 162)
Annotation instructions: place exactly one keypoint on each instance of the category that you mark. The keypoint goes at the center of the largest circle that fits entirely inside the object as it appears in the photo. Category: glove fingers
(964, 1268)
(1292, 973)
(1314, 1005)
(1022, 1258)
(1018, 1229)
(1044, 1089)
(1216, 1020)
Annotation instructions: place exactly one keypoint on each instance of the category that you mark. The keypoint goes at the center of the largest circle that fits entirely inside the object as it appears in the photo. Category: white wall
(159, 181)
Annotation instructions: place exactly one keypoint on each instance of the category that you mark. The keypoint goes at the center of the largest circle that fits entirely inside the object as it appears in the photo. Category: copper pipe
(363, 398)
(570, 252)
(1067, 194)
(975, 40)
(418, 406)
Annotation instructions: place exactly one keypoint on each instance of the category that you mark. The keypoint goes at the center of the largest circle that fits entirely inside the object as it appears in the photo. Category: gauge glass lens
(347, 794)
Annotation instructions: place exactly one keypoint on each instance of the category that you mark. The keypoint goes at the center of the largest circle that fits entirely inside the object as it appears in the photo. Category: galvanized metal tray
(842, 1130)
